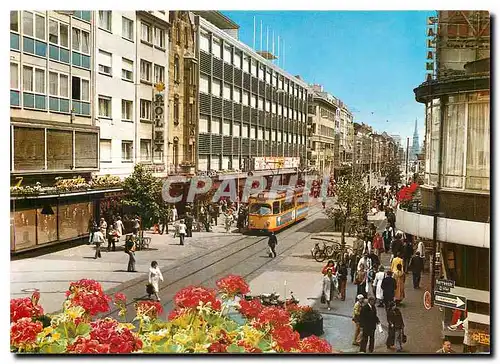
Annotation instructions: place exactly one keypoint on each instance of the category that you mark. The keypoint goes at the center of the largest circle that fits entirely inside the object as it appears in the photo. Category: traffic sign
(450, 300)
(444, 285)
(427, 300)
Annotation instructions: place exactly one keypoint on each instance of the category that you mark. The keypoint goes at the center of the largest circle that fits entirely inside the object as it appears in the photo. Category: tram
(273, 211)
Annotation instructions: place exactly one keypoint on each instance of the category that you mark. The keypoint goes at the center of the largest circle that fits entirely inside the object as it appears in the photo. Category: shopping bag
(380, 329)
(323, 298)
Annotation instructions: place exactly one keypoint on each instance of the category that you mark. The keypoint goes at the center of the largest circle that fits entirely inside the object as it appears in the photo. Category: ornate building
(182, 93)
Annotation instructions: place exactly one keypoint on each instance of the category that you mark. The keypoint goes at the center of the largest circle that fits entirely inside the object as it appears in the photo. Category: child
(154, 278)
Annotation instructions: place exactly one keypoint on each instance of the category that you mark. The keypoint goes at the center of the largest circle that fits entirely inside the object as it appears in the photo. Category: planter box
(308, 328)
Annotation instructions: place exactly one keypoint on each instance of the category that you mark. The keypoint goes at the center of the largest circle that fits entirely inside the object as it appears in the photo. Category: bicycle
(320, 254)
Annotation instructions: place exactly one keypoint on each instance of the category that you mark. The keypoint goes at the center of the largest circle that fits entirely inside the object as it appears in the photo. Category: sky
(371, 60)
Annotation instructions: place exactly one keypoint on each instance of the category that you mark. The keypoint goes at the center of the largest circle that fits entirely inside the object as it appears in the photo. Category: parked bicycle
(320, 254)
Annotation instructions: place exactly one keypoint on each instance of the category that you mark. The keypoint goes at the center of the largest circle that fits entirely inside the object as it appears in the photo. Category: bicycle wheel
(319, 256)
(329, 250)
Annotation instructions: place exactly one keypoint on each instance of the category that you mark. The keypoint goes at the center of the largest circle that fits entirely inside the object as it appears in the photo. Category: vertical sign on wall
(430, 64)
(158, 121)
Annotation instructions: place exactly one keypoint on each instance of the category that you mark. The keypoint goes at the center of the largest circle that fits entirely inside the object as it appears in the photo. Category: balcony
(448, 230)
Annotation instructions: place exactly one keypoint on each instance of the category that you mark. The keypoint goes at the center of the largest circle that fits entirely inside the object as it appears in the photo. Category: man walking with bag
(368, 321)
(98, 239)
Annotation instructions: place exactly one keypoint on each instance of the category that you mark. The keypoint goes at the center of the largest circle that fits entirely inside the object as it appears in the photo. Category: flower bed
(200, 323)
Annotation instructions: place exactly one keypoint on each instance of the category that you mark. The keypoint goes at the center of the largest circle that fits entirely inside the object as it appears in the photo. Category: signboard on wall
(158, 118)
(273, 163)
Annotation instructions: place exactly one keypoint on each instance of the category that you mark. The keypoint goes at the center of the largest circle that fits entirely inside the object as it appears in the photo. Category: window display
(24, 229)
(74, 220)
(46, 226)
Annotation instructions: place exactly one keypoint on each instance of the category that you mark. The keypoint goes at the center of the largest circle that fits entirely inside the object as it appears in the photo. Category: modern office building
(248, 107)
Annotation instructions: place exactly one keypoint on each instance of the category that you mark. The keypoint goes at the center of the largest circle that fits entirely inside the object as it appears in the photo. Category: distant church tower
(415, 147)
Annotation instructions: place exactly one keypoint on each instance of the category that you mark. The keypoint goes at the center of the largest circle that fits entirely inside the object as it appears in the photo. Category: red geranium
(273, 316)
(233, 285)
(149, 308)
(120, 339)
(120, 298)
(87, 346)
(313, 344)
(248, 347)
(88, 294)
(23, 332)
(217, 347)
(24, 307)
(176, 312)
(295, 308)
(190, 297)
(250, 309)
(286, 339)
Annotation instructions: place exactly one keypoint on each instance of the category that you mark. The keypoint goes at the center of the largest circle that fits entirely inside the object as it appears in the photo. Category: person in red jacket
(329, 265)
(378, 244)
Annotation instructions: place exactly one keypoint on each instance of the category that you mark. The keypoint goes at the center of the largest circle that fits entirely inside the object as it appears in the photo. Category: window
(237, 95)
(216, 86)
(244, 131)
(28, 23)
(236, 131)
(268, 106)
(14, 76)
(252, 132)
(253, 68)
(246, 98)
(274, 135)
(105, 20)
(63, 85)
(145, 110)
(261, 103)
(80, 39)
(227, 91)
(237, 59)
(215, 127)
(146, 34)
(127, 109)
(246, 63)
(80, 89)
(260, 134)
(176, 109)
(204, 42)
(226, 128)
(14, 21)
(216, 47)
(274, 108)
(178, 33)
(203, 124)
(39, 27)
(127, 29)
(105, 150)
(227, 54)
(104, 106)
(159, 74)
(159, 37)
(33, 79)
(186, 37)
(145, 150)
(253, 100)
(53, 83)
(105, 62)
(127, 148)
(127, 69)
(145, 71)
(262, 72)
(176, 69)
(279, 137)
(204, 84)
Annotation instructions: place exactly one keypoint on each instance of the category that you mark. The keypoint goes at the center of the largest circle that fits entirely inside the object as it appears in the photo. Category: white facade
(131, 56)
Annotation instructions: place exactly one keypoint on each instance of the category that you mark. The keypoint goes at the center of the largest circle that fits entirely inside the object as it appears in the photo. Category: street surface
(208, 256)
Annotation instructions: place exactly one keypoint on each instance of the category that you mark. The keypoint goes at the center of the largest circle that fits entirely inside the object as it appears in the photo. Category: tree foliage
(353, 202)
(143, 192)
(393, 174)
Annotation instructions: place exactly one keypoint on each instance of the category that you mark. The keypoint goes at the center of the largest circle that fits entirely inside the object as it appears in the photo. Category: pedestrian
(155, 277)
(112, 239)
(396, 261)
(353, 265)
(367, 246)
(378, 244)
(377, 284)
(342, 279)
(98, 239)
(407, 254)
(387, 236)
(400, 277)
(396, 328)
(182, 231)
(103, 226)
(365, 261)
(329, 265)
(118, 226)
(92, 229)
(135, 225)
(189, 225)
(421, 249)
(130, 251)
(323, 202)
(388, 288)
(228, 220)
(272, 242)
(397, 246)
(328, 288)
(174, 214)
(391, 217)
(368, 321)
(356, 311)
(446, 348)
(166, 214)
(361, 281)
(417, 266)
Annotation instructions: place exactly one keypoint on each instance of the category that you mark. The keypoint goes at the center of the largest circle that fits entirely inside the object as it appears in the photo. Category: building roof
(217, 18)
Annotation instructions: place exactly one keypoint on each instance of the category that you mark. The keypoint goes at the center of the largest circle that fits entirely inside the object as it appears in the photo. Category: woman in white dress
(377, 283)
(155, 277)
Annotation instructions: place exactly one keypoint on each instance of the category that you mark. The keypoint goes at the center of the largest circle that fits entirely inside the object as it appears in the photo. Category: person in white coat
(328, 288)
(155, 277)
(377, 283)
(421, 249)
(174, 214)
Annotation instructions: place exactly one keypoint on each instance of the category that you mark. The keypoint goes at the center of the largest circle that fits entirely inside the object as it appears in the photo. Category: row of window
(245, 62)
(236, 94)
(106, 155)
(105, 109)
(205, 163)
(245, 131)
(34, 25)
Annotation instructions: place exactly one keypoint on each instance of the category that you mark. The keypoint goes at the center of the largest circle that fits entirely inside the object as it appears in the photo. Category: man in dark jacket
(391, 219)
(407, 254)
(397, 246)
(342, 277)
(273, 241)
(388, 288)
(189, 225)
(396, 327)
(387, 235)
(416, 266)
(368, 321)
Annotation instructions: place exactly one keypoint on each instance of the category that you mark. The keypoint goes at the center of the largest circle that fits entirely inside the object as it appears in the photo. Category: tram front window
(260, 209)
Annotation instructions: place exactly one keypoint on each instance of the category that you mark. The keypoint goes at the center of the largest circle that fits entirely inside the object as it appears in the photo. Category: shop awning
(66, 194)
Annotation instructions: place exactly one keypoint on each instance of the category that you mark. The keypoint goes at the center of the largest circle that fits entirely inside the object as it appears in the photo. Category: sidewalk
(52, 273)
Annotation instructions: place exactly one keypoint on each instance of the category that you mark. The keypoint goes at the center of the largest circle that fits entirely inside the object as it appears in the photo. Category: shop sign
(480, 337)
(272, 163)
(158, 117)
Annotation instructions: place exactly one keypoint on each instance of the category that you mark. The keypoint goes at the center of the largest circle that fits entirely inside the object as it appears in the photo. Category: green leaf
(264, 345)
(83, 329)
(172, 348)
(54, 348)
(233, 348)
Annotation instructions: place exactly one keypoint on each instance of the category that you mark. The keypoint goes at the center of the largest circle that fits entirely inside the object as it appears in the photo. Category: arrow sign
(450, 300)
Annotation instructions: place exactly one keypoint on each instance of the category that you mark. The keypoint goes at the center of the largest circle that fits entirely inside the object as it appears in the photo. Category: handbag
(323, 298)
(150, 289)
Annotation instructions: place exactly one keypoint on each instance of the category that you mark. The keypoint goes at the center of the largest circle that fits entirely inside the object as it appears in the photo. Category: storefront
(32, 227)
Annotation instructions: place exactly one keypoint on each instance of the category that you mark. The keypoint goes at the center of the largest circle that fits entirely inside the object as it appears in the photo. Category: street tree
(392, 173)
(143, 194)
(353, 201)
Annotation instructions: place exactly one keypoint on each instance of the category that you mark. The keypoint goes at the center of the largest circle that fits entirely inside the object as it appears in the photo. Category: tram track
(215, 263)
